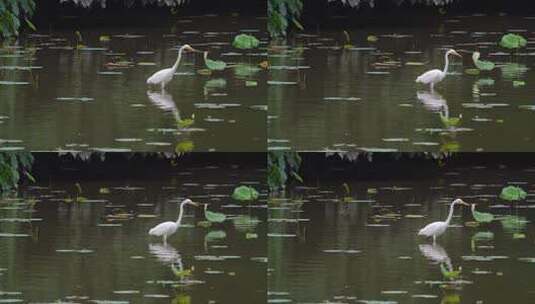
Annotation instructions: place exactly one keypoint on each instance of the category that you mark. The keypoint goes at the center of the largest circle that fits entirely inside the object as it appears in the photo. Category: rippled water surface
(59, 92)
(97, 250)
(328, 93)
(327, 246)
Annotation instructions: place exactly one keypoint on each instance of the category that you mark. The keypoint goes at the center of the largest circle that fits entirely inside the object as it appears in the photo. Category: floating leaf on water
(513, 193)
(215, 65)
(513, 41)
(214, 217)
(245, 41)
(482, 217)
(453, 274)
(245, 193)
(482, 64)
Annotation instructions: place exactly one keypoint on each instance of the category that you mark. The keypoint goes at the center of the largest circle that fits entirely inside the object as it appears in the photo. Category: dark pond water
(55, 96)
(325, 96)
(99, 251)
(365, 249)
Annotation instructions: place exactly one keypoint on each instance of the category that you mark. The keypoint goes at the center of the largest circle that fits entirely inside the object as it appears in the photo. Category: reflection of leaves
(245, 70)
(513, 193)
(451, 299)
(450, 121)
(512, 71)
(181, 273)
(215, 83)
(483, 236)
(482, 217)
(513, 223)
(186, 122)
(485, 82)
(245, 193)
(482, 64)
(181, 299)
(184, 146)
(513, 41)
(245, 41)
(245, 223)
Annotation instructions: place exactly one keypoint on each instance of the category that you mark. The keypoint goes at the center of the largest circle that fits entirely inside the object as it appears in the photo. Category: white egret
(166, 229)
(435, 76)
(438, 228)
(162, 77)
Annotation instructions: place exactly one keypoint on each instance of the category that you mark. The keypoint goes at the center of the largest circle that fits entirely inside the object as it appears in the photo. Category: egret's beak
(195, 204)
(465, 203)
(456, 54)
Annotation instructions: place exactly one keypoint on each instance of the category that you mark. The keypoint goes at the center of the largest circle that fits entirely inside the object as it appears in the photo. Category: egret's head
(189, 202)
(188, 48)
(454, 52)
(460, 201)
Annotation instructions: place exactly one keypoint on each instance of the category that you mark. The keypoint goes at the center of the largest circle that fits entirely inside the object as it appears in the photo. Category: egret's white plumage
(164, 76)
(438, 228)
(435, 76)
(166, 229)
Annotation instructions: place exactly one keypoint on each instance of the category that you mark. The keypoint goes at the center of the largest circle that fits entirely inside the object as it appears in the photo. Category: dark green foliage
(513, 193)
(281, 166)
(13, 165)
(282, 13)
(12, 14)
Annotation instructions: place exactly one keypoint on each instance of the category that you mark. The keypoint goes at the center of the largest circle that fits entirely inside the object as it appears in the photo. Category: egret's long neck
(179, 220)
(448, 220)
(445, 66)
(175, 66)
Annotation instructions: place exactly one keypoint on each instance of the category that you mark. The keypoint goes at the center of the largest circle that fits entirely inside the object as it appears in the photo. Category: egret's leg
(432, 86)
(163, 86)
(165, 239)
(434, 239)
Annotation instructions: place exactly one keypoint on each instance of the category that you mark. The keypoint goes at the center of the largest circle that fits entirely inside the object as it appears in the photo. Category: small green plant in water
(452, 275)
(513, 193)
(513, 41)
(245, 41)
(214, 65)
(245, 193)
(214, 217)
(449, 122)
(482, 217)
(482, 64)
